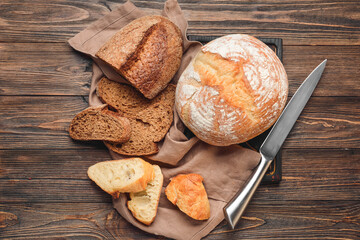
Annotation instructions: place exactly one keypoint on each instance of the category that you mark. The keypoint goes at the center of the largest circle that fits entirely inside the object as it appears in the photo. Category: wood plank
(299, 165)
(51, 190)
(50, 164)
(60, 176)
(338, 78)
(43, 69)
(327, 123)
(80, 221)
(320, 22)
(41, 122)
(281, 220)
(294, 220)
(23, 70)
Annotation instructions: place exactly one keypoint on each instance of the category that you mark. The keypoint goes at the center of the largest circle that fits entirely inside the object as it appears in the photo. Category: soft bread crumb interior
(144, 204)
(113, 176)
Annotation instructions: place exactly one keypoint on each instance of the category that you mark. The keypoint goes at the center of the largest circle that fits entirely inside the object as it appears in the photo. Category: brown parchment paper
(225, 169)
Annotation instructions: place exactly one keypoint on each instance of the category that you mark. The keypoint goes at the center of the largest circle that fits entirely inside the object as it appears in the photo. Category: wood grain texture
(339, 76)
(42, 122)
(307, 22)
(67, 72)
(43, 69)
(101, 221)
(44, 190)
(60, 176)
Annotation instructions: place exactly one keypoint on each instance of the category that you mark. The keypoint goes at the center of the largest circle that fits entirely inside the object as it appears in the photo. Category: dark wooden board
(337, 164)
(44, 191)
(41, 122)
(67, 72)
(340, 219)
(48, 176)
(317, 22)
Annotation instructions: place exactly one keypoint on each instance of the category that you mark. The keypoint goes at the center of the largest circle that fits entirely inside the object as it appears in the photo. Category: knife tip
(324, 62)
(321, 66)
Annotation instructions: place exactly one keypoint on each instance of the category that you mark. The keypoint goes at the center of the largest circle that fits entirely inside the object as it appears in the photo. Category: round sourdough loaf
(233, 90)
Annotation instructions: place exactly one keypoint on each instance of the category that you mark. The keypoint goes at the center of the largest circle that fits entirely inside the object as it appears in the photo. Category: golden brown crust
(147, 52)
(188, 193)
(233, 90)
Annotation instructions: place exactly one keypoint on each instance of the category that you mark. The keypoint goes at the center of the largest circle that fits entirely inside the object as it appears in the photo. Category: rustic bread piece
(233, 90)
(147, 52)
(150, 120)
(188, 193)
(127, 100)
(143, 205)
(140, 142)
(122, 97)
(99, 123)
(126, 175)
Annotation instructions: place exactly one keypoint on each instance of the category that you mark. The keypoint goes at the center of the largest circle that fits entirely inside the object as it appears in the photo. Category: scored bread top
(147, 52)
(126, 175)
(99, 123)
(233, 90)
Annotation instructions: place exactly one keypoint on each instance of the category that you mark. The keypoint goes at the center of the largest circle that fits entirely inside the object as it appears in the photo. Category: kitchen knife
(272, 144)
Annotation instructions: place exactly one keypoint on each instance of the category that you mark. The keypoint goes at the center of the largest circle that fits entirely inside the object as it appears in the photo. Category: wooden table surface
(44, 190)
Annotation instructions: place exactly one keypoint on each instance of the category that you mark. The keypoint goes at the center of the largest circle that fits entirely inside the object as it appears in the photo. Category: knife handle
(235, 208)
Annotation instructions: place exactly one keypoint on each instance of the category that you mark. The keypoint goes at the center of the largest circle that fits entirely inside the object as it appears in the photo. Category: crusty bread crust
(105, 125)
(147, 52)
(188, 193)
(114, 182)
(232, 91)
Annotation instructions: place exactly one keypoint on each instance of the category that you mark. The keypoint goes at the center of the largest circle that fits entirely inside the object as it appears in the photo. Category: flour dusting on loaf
(233, 90)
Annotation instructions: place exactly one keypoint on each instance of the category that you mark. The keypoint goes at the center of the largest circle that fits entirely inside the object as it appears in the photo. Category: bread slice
(127, 175)
(140, 142)
(188, 193)
(99, 123)
(150, 120)
(143, 205)
(126, 99)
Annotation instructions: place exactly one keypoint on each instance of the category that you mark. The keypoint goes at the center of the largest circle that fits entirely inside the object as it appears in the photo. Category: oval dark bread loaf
(150, 120)
(147, 52)
(99, 123)
(233, 90)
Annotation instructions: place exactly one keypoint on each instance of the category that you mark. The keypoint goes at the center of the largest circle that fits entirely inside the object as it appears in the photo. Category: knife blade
(272, 144)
